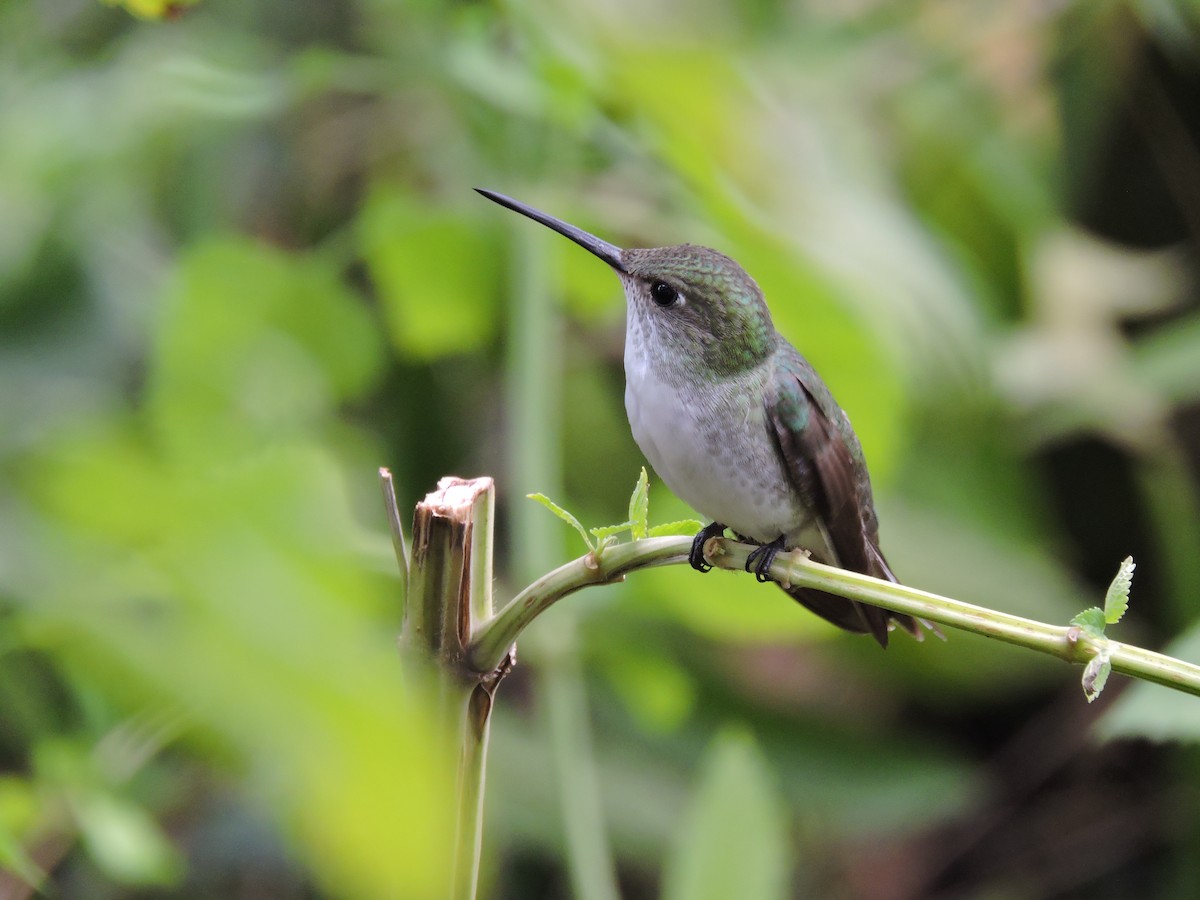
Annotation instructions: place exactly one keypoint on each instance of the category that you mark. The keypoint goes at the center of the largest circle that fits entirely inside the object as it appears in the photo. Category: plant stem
(396, 527)
(496, 635)
(449, 593)
(1066, 642)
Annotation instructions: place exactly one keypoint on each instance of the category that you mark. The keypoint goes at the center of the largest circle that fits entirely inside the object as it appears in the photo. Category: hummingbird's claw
(696, 557)
(761, 558)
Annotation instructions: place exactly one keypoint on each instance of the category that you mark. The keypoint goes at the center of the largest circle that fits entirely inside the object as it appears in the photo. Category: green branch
(492, 640)
(1074, 643)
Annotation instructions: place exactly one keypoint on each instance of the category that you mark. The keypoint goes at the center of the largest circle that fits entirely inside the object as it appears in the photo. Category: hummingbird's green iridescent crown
(722, 304)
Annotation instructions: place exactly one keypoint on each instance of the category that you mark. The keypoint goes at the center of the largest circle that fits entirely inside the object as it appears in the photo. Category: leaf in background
(258, 564)
(501, 79)
(435, 274)
(589, 296)
(1169, 359)
(125, 842)
(1153, 712)
(1116, 601)
(153, 9)
(658, 691)
(670, 529)
(565, 516)
(639, 506)
(734, 840)
(255, 345)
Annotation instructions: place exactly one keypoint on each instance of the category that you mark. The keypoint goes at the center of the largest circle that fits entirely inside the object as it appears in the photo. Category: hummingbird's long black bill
(610, 253)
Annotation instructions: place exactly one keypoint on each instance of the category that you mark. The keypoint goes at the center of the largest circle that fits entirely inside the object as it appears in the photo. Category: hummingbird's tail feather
(854, 617)
(879, 568)
(860, 618)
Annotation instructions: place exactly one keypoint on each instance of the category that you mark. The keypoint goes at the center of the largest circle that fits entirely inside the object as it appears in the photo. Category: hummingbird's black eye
(663, 294)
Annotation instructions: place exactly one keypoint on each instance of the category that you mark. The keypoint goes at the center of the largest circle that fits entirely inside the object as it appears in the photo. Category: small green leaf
(1095, 675)
(1091, 620)
(564, 515)
(1116, 601)
(413, 251)
(605, 531)
(683, 526)
(639, 506)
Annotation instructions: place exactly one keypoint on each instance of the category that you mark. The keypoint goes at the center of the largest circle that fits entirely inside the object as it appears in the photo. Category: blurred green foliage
(733, 842)
(241, 266)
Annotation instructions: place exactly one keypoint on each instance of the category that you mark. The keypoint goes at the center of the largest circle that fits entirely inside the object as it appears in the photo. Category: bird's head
(688, 305)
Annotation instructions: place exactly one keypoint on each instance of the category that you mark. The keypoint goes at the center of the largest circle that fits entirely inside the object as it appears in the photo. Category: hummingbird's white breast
(709, 441)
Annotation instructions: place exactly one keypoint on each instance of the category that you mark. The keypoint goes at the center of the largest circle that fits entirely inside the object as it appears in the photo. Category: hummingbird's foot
(696, 557)
(760, 558)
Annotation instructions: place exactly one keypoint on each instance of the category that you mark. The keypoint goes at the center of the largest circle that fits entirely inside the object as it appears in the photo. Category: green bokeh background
(242, 267)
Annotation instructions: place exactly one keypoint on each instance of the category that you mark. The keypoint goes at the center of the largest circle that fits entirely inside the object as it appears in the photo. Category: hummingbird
(737, 423)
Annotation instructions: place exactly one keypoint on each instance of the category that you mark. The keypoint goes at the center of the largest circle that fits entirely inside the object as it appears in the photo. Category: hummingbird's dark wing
(825, 465)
